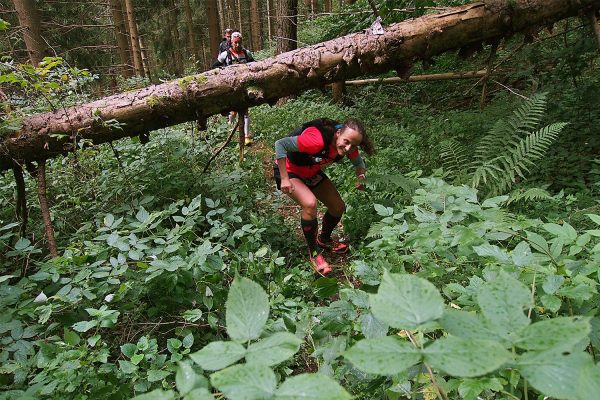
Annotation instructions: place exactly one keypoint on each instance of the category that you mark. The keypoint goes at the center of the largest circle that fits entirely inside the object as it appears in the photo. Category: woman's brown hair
(366, 144)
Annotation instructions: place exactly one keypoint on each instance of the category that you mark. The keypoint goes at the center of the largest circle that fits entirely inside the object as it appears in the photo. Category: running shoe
(332, 245)
(319, 264)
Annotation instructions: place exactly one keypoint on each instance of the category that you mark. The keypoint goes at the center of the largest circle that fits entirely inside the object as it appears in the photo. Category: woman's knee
(309, 207)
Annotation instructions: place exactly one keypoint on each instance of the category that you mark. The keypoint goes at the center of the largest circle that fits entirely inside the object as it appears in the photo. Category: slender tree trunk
(134, 38)
(21, 209)
(116, 11)
(190, 28)
(270, 18)
(327, 6)
(43, 198)
(145, 59)
(29, 20)
(238, 14)
(214, 33)
(255, 25)
(287, 26)
(176, 43)
(595, 26)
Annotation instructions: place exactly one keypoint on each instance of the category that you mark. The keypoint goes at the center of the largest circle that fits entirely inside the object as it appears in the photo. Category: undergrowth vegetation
(174, 283)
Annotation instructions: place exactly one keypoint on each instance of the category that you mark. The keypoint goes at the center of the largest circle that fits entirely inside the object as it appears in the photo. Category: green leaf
(199, 394)
(22, 244)
(187, 379)
(383, 210)
(466, 357)
(245, 382)
(108, 220)
(218, 355)
(469, 389)
(84, 326)
(384, 356)
(247, 309)
(467, 325)
(127, 367)
(553, 373)
(538, 242)
(494, 202)
(155, 375)
(273, 349)
(521, 254)
(594, 217)
(488, 250)
(128, 349)
(188, 341)
(561, 333)
(311, 387)
(326, 287)
(157, 394)
(373, 328)
(406, 301)
(71, 337)
(502, 301)
(588, 383)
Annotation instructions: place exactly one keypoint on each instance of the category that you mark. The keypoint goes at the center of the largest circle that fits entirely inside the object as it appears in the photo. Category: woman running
(299, 159)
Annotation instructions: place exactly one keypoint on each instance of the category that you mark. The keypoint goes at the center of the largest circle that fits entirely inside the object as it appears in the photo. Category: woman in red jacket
(300, 158)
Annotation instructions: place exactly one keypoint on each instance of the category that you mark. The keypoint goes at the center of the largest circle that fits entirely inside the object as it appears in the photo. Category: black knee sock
(329, 222)
(310, 228)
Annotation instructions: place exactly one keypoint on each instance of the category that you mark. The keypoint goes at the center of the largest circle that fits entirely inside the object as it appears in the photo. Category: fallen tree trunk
(241, 86)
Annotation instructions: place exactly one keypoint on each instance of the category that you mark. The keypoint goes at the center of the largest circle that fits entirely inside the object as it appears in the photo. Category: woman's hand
(287, 186)
(359, 182)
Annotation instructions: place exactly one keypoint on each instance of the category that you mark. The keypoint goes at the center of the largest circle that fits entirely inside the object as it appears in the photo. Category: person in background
(299, 160)
(226, 41)
(237, 54)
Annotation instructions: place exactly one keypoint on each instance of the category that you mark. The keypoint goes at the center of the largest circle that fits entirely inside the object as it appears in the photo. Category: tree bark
(43, 198)
(287, 26)
(214, 33)
(255, 26)
(116, 11)
(175, 43)
(29, 20)
(270, 10)
(327, 6)
(595, 26)
(247, 85)
(190, 25)
(134, 38)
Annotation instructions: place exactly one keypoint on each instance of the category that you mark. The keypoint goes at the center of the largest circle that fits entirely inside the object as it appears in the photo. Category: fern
(528, 195)
(509, 131)
(516, 160)
(454, 159)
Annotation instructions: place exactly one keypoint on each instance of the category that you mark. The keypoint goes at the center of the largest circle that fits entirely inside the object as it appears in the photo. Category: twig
(41, 184)
(440, 392)
(220, 149)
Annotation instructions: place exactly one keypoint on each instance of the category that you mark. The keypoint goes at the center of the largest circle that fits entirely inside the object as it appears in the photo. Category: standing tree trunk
(214, 33)
(238, 12)
(29, 20)
(116, 11)
(175, 43)
(255, 25)
(134, 38)
(270, 18)
(287, 26)
(45, 208)
(190, 25)
(327, 6)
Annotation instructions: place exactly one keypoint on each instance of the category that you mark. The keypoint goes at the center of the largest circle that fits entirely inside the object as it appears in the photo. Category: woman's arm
(282, 147)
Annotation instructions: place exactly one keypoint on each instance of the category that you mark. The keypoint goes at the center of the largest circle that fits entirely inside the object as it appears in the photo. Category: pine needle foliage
(508, 153)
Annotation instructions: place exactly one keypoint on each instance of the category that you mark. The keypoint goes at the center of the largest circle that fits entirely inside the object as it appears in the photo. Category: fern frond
(375, 230)
(454, 158)
(507, 132)
(522, 157)
(529, 195)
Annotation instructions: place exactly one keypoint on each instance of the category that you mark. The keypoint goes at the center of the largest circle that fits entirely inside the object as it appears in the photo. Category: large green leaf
(406, 301)
(273, 349)
(156, 395)
(467, 325)
(384, 356)
(502, 301)
(187, 379)
(311, 387)
(247, 309)
(199, 394)
(553, 373)
(588, 383)
(245, 382)
(560, 333)
(218, 355)
(466, 357)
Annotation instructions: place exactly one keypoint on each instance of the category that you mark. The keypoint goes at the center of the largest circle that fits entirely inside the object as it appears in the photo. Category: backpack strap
(327, 127)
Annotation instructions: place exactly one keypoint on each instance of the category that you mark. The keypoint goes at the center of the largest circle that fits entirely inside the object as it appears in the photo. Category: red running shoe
(332, 245)
(319, 264)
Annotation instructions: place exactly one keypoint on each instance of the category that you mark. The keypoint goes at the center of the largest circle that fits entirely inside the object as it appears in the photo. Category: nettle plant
(247, 312)
(498, 342)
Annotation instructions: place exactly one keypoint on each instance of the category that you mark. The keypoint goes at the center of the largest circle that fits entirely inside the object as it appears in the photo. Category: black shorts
(311, 182)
